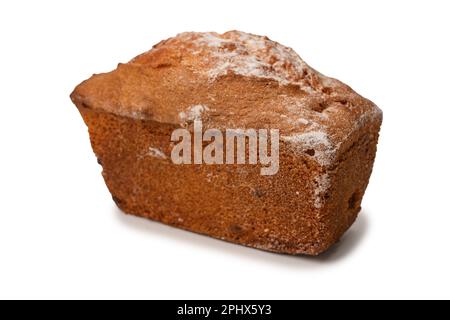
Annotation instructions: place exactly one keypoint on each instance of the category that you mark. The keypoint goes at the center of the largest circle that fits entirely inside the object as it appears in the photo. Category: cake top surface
(247, 55)
(231, 80)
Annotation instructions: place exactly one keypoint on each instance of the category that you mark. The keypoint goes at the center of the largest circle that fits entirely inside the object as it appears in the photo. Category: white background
(61, 235)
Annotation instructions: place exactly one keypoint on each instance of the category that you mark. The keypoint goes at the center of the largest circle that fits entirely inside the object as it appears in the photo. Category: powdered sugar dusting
(156, 153)
(310, 139)
(252, 56)
(323, 184)
(318, 141)
(193, 113)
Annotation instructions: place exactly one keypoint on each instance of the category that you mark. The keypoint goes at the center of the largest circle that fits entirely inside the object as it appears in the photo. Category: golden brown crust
(235, 80)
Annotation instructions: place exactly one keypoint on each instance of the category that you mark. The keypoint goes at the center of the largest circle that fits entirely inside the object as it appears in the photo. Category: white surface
(60, 233)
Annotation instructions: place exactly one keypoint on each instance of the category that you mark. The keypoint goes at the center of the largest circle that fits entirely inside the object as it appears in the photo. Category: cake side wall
(349, 180)
(229, 202)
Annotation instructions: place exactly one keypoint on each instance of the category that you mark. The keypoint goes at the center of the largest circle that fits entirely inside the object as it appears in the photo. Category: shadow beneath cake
(348, 243)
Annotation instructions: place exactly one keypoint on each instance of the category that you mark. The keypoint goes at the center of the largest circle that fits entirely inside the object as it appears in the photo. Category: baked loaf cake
(327, 141)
